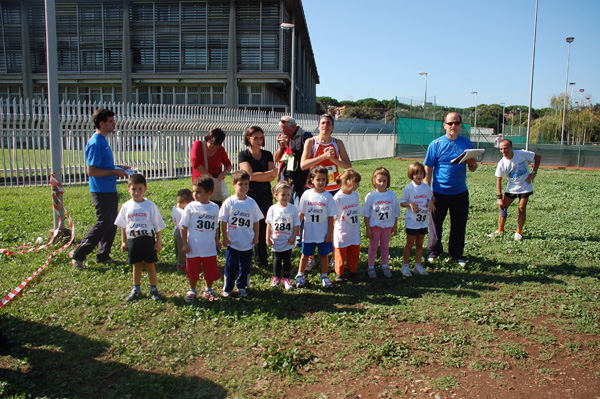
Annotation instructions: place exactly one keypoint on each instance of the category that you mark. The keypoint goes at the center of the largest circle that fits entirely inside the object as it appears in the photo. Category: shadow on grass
(53, 362)
(357, 296)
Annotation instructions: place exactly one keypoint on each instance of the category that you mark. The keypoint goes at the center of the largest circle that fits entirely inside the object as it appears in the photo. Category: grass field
(521, 320)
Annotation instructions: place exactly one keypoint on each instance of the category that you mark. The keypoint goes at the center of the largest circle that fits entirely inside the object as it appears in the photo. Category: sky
(376, 48)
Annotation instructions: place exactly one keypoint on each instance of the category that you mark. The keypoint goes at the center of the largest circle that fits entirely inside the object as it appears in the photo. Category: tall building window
(11, 54)
(250, 95)
(179, 36)
(258, 35)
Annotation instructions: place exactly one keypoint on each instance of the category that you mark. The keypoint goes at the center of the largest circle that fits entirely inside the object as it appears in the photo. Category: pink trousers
(380, 237)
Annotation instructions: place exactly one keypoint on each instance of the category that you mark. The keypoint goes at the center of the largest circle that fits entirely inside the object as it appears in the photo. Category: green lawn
(521, 320)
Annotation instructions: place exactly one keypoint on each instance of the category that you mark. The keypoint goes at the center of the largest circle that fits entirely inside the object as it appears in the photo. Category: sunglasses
(257, 137)
(452, 123)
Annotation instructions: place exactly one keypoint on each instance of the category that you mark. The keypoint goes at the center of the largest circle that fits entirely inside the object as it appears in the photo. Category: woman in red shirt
(215, 155)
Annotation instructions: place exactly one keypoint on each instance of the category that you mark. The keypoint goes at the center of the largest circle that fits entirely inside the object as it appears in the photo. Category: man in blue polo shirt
(103, 187)
(449, 188)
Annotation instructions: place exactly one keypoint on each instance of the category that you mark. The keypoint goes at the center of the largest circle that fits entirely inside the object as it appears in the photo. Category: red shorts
(209, 264)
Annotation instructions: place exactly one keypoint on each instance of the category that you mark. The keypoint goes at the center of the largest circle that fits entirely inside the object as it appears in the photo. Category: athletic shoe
(275, 281)
(155, 295)
(386, 272)
(77, 264)
(181, 268)
(134, 295)
(300, 282)
(338, 278)
(518, 237)
(462, 262)
(406, 271)
(287, 284)
(332, 264)
(431, 258)
(210, 294)
(242, 292)
(189, 298)
(225, 294)
(109, 262)
(326, 283)
(420, 270)
(310, 264)
(371, 272)
(495, 234)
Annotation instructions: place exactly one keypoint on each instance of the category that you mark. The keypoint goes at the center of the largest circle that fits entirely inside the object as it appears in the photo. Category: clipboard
(468, 154)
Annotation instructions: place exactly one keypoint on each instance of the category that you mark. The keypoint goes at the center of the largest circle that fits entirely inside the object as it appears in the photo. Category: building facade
(221, 53)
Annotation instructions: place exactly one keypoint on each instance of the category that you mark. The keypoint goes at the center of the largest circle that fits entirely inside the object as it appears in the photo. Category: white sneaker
(406, 271)
(300, 282)
(386, 272)
(420, 270)
(431, 259)
(462, 262)
(242, 293)
(518, 237)
(326, 282)
(371, 272)
(495, 234)
(310, 264)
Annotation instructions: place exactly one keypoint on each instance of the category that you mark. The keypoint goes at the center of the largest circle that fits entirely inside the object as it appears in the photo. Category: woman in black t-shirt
(261, 168)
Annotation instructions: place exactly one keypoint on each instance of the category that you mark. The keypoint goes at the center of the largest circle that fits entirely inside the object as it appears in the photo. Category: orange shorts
(209, 264)
(352, 253)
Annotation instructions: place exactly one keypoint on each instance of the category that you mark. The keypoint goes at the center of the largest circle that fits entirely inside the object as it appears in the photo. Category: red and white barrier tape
(56, 190)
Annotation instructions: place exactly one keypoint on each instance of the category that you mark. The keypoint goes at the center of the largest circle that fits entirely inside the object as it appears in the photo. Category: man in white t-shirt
(515, 165)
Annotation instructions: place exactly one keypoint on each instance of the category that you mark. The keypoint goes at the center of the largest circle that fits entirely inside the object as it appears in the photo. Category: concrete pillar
(232, 89)
(126, 87)
(26, 46)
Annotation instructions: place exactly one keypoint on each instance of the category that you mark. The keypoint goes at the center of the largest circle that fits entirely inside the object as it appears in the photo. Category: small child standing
(318, 210)
(239, 216)
(417, 198)
(381, 212)
(283, 225)
(346, 231)
(200, 238)
(184, 197)
(140, 220)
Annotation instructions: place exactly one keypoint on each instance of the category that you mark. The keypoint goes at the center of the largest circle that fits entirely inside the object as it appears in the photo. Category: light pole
(474, 92)
(503, 104)
(562, 135)
(519, 121)
(425, 100)
(288, 26)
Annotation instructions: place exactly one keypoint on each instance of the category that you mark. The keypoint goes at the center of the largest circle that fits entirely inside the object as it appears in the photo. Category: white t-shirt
(382, 209)
(282, 221)
(317, 208)
(202, 221)
(140, 218)
(419, 195)
(240, 216)
(517, 170)
(346, 230)
(176, 216)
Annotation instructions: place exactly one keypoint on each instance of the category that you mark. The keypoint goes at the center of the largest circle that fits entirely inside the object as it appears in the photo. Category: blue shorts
(325, 248)
(416, 232)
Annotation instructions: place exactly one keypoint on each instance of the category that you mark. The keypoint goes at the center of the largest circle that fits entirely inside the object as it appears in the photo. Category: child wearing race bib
(318, 210)
(381, 212)
(184, 197)
(346, 231)
(417, 198)
(283, 225)
(140, 220)
(239, 216)
(200, 235)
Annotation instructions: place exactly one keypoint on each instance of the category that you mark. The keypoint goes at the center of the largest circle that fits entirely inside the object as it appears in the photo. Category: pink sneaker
(275, 281)
(287, 284)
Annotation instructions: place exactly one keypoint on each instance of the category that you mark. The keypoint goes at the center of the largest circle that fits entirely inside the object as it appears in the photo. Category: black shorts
(141, 249)
(417, 232)
(522, 195)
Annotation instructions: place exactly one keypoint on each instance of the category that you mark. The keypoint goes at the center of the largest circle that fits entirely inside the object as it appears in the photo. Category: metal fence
(155, 139)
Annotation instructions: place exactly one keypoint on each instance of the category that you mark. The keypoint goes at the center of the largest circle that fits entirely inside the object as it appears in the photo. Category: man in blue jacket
(449, 185)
